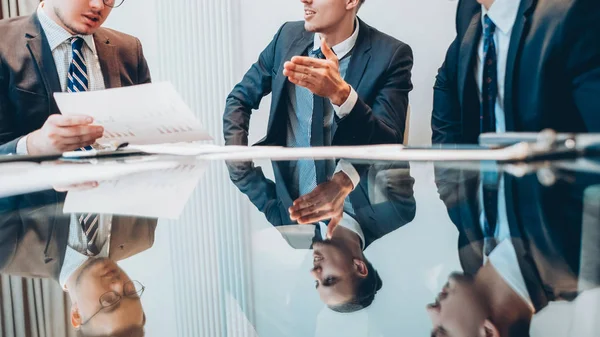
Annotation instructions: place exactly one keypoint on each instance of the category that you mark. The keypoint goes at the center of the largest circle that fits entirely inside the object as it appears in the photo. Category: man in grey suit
(334, 80)
(60, 48)
(37, 240)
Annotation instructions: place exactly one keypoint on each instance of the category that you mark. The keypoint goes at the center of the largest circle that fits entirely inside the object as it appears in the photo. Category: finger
(80, 141)
(309, 75)
(305, 212)
(301, 69)
(309, 62)
(79, 131)
(311, 87)
(73, 120)
(332, 226)
(329, 54)
(316, 217)
(77, 187)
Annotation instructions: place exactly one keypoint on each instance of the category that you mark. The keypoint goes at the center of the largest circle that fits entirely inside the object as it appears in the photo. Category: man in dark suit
(519, 65)
(537, 256)
(38, 241)
(334, 81)
(382, 203)
(61, 47)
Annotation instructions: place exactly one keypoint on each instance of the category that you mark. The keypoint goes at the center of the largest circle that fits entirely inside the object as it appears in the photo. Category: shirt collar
(342, 49)
(503, 14)
(56, 34)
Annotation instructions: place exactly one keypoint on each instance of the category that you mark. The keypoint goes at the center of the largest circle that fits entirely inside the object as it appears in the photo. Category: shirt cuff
(22, 146)
(350, 171)
(345, 109)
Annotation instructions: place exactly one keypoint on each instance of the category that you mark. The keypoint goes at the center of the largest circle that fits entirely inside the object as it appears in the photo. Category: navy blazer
(545, 225)
(379, 71)
(552, 72)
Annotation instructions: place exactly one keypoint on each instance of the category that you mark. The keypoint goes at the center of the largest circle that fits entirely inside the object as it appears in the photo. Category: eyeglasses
(113, 3)
(131, 289)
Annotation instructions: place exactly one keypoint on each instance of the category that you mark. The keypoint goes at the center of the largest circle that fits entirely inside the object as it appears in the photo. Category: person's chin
(310, 27)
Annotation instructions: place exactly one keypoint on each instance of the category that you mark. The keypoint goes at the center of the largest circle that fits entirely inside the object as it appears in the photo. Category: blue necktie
(310, 172)
(78, 82)
(489, 93)
(489, 88)
(78, 76)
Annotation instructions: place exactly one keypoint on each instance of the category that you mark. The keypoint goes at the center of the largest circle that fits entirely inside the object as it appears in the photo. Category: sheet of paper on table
(153, 194)
(20, 178)
(142, 114)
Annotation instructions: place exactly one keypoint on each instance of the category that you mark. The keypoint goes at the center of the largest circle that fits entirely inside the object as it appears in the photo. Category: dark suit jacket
(379, 71)
(552, 72)
(28, 76)
(376, 217)
(34, 234)
(545, 225)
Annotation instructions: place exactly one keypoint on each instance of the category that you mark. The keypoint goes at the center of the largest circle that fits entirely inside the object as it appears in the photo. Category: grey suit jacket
(28, 76)
(34, 234)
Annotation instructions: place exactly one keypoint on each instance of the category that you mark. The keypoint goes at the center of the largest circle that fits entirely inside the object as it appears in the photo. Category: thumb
(326, 50)
(333, 223)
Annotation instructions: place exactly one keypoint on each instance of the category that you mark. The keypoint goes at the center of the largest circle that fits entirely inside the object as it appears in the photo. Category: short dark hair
(365, 292)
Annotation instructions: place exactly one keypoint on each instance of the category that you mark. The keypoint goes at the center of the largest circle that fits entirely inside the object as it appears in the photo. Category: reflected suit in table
(548, 225)
(383, 201)
(34, 235)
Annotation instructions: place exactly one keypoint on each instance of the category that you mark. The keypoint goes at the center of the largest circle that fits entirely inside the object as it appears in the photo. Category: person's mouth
(309, 13)
(317, 257)
(92, 18)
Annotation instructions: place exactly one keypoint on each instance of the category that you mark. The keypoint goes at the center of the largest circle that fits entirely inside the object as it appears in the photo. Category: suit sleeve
(247, 95)
(445, 118)
(384, 122)
(8, 136)
(583, 61)
(260, 191)
(143, 70)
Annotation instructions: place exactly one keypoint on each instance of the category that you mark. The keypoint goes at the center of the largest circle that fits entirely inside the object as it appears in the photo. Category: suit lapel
(107, 56)
(516, 39)
(468, 49)
(360, 57)
(38, 47)
(298, 47)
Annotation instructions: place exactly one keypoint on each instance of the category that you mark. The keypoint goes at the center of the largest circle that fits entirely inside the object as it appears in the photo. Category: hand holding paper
(142, 114)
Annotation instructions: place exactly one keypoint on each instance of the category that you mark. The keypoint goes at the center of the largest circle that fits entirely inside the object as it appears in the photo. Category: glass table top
(183, 246)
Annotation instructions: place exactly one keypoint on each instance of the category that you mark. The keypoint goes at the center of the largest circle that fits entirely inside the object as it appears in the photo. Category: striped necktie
(78, 76)
(78, 82)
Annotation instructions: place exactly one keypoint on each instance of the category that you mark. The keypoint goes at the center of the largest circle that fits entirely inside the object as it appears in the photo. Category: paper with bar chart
(143, 114)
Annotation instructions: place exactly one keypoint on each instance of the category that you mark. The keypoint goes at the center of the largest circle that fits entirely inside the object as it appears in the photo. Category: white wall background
(412, 261)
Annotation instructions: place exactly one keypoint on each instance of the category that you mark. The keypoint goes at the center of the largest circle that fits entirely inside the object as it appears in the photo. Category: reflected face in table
(336, 272)
(98, 277)
(458, 309)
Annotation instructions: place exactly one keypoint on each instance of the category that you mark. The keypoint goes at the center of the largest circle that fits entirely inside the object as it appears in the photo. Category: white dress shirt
(504, 259)
(341, 50)
(60, 45)
(77, 245)
(503, 14)
(350, 224)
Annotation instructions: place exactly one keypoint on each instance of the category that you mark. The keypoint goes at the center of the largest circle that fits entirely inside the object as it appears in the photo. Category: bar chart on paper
(143, 114)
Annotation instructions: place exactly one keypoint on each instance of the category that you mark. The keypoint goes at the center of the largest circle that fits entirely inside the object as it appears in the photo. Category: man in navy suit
(334, 80)
(538, 252)
(519, 65)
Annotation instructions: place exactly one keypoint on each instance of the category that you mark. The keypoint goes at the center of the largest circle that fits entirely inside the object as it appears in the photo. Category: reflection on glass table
(253, 253)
